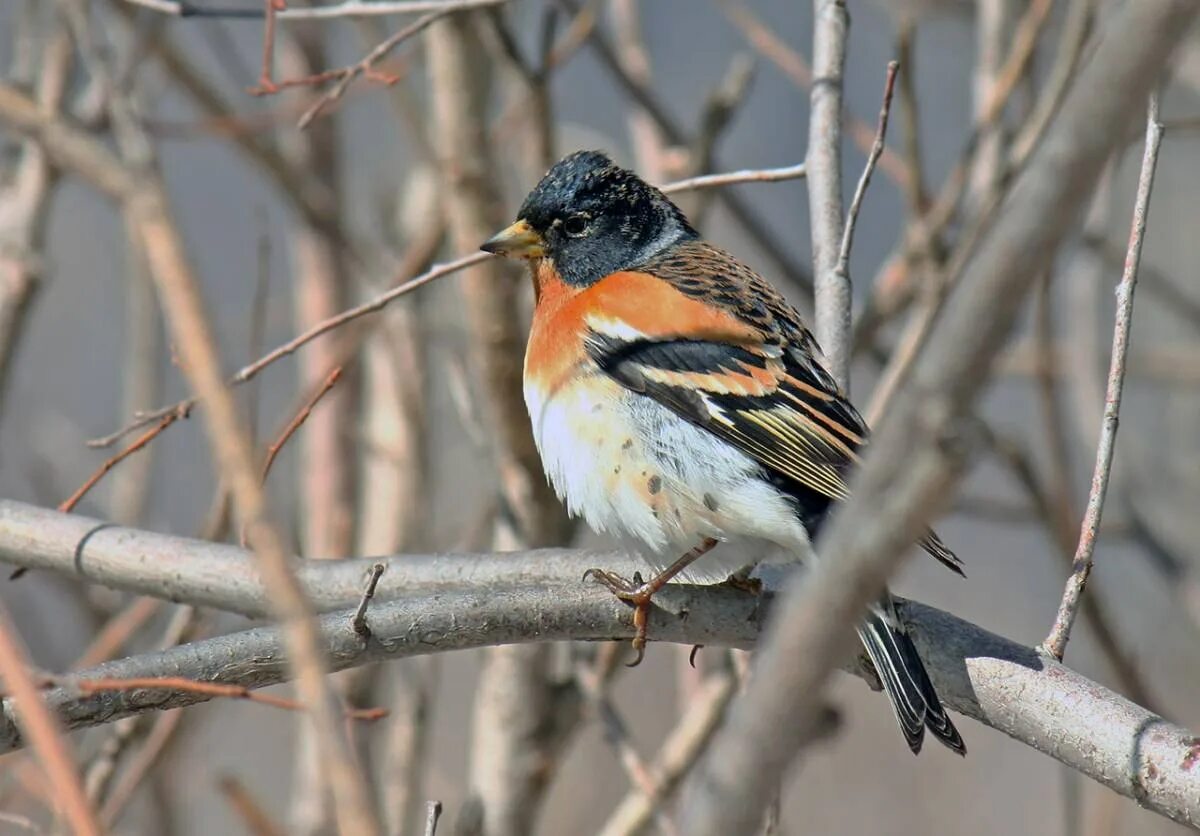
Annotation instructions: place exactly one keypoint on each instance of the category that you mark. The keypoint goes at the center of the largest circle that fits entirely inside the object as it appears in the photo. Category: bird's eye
(575, 225)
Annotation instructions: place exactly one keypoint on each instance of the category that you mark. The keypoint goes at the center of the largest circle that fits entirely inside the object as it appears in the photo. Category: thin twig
(360, 615)
(270, 10)
(298, 419)
(843, 263)
(1056, 642)
(193, 686)
(42, 728)
(349, 8)
(365, 66)
(731, 178)
(145, 438)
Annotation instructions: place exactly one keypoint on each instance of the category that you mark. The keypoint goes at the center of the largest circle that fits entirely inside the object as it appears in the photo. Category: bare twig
(140, 442)
(731, 178)
(1056, 642)
(348, 8)
(90, 685)
(1123, 663)
(44, 732)
(299, 418)
(360, 615)
(824, 160)
(365, 67)
(843, 261)
(271, 8)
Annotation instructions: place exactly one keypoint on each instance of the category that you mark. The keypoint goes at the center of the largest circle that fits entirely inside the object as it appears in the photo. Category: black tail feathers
(903, 675)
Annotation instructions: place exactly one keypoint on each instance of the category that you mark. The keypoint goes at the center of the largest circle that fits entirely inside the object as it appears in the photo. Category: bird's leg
(638, 592)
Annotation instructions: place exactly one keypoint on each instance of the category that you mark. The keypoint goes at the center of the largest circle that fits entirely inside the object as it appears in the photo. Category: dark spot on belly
(655, 484)
(616, 470)
(710, 502)
(598, 408)
(628, 443)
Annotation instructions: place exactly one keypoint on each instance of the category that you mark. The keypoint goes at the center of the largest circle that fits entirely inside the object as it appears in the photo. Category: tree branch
(453, 603)
(824, 161)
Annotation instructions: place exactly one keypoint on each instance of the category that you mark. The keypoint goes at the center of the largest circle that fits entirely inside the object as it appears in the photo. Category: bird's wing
(758, 383)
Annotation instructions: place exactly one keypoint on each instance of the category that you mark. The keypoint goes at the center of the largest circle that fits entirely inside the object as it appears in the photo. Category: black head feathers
(596, 218)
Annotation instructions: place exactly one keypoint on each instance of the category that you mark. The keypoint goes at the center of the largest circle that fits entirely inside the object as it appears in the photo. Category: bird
(678, 400)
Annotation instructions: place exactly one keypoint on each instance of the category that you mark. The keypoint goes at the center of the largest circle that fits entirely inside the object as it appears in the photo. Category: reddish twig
(194, 686)
(268, 51)
(45, 734)
(344, 76)
(1056, 642)
(145, 438)
(298, 419)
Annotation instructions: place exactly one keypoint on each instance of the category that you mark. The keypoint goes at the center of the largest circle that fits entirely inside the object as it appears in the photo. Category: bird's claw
(637, 593)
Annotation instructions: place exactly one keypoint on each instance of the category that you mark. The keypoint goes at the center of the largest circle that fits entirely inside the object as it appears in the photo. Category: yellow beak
(517, 241)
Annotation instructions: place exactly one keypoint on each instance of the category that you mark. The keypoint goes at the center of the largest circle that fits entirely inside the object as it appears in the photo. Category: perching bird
(677, 398)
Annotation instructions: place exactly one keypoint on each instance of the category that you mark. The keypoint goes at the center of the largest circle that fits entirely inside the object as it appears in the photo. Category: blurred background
(410, 450)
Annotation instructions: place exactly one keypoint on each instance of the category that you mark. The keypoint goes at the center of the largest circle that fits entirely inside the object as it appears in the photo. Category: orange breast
(624, 304)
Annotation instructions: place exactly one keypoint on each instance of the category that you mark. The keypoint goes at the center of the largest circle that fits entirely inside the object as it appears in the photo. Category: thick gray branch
(467, 601)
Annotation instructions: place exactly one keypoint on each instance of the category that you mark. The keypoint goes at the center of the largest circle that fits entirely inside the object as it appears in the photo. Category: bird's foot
(637, 593)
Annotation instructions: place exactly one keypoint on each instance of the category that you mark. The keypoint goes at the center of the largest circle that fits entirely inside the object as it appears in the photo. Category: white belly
(631, 467)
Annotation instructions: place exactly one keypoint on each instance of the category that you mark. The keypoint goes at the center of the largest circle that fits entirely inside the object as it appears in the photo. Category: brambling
(678, 399)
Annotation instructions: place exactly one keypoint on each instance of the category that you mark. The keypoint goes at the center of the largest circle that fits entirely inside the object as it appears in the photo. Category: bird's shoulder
(707, 273)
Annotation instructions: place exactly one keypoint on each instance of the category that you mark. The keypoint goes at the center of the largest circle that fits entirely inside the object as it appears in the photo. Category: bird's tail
(906, 682)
